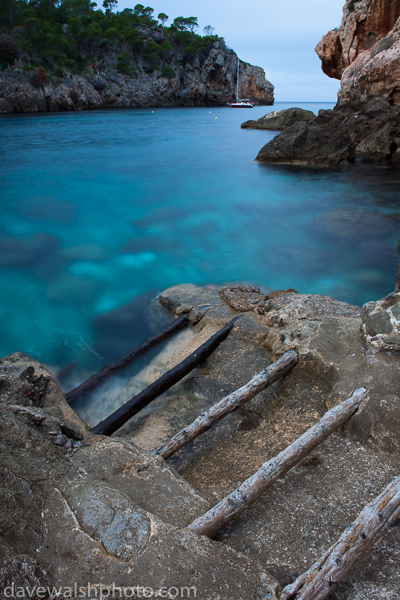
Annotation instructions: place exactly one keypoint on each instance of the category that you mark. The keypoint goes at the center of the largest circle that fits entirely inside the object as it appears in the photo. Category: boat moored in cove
(240, 103)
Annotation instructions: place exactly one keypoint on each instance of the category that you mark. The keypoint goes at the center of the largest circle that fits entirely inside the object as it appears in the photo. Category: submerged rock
(280, 119)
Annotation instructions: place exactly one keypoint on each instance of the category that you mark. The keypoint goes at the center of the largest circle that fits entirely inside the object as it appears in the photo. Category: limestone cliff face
(207, 80)
(374, 74)
(364, 53)
(364, 23)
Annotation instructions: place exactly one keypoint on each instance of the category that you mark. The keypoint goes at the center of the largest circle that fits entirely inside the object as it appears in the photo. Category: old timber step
(306, 511)
(231, 507)
(120, 416)
(98, 378)
(229, 404)
(371, 525)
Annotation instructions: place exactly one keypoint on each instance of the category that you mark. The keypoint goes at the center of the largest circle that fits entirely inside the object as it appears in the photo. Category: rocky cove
(209, 80)
(205, 78)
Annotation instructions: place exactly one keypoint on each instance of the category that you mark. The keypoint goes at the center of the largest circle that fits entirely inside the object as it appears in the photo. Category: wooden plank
(229, 404)
(233, 505)
(166, 381)
(371, 525)
(74, 395)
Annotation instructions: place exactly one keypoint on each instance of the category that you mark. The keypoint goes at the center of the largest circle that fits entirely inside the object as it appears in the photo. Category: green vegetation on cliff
(75, 34)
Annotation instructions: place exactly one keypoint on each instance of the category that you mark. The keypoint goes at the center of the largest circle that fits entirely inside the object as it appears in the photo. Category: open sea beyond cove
(104, 208)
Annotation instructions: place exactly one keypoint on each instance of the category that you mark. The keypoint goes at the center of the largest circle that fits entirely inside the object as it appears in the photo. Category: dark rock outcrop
(280, 119)
(338, 136)
(210, 79)
(365, 54)
(321, 142)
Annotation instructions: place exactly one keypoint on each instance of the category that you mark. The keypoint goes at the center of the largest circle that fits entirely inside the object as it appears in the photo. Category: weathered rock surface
(364, 22)
(340, 136)
(320, 142)
(381, 323)
(82, 510)
(374, 73)
(120, 510)
(364, 52)
(280, 119)
(208, 80)
(314, 503)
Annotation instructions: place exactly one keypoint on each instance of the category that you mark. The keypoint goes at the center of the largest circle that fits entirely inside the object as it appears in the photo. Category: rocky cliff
(208, 78)
(364, 52)
(364, 23)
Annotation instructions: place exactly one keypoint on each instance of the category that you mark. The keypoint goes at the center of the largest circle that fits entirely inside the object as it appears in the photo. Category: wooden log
(125, 360)
(373, 522)
(135, 404)
(233, 505)
(229, 404)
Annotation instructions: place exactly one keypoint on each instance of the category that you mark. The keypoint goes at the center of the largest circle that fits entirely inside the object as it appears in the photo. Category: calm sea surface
(99, 208)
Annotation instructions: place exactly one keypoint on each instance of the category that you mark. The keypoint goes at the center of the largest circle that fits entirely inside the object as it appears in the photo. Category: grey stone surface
(305, 512)
(280, 119)
(77, 513)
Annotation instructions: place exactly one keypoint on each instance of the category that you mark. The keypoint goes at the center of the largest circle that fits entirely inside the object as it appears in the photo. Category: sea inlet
(101, 210)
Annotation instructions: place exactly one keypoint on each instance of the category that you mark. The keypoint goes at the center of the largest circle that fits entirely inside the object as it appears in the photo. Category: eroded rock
(76, 514)
(280, 119)
(364, 22)
(321, 142)
(381, 323)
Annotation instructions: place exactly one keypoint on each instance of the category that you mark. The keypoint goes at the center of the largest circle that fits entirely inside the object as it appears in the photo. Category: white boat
(240, 103)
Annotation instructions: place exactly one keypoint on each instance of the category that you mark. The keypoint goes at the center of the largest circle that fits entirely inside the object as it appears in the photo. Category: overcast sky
(277, 35)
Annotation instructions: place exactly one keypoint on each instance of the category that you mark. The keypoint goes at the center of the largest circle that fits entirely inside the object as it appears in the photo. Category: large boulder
(280, 119)
(375, 131)
(320, 142)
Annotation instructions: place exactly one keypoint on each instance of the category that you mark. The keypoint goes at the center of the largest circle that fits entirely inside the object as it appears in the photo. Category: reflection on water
(102, 209)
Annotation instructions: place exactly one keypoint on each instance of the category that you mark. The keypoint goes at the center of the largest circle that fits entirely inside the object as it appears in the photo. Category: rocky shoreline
(209, 80)
(86, 508)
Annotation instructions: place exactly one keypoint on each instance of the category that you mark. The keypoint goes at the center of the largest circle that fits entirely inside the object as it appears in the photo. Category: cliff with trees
(69, 55)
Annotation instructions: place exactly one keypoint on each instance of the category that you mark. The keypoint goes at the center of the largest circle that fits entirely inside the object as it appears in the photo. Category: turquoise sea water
(101, 207)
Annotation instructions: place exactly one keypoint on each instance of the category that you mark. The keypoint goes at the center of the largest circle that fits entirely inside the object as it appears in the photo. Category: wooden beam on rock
(166, 381)
(233, 505)
(229, 404)
(373, 522)
(126, 359)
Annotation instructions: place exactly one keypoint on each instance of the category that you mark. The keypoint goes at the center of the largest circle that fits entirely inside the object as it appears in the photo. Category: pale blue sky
(277, 35)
